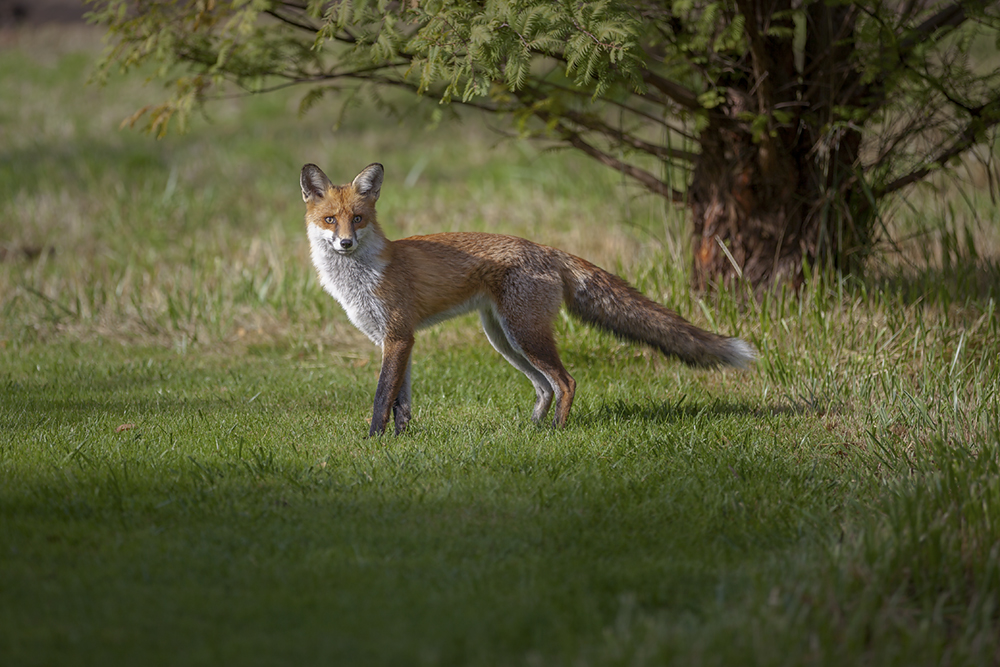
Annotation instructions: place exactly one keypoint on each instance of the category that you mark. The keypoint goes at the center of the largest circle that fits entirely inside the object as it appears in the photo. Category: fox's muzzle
(344, 246)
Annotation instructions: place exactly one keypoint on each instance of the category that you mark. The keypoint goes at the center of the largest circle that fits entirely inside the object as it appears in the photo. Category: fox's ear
(314, 182)
(369, 182)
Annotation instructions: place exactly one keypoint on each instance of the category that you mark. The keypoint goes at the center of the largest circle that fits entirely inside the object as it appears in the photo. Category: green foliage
(859, 98)
(606, 50)
(457, 45)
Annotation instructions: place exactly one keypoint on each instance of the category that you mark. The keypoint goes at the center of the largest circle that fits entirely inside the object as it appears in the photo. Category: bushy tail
(606, 301)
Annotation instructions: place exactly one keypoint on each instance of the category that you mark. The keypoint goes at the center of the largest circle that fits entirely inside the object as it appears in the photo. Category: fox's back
(453, 272)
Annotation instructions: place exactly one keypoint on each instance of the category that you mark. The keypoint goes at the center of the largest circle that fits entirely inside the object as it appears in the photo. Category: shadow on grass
(82, 398)
(672, 413)
(959, 281)
(343, 573)
(350, 551)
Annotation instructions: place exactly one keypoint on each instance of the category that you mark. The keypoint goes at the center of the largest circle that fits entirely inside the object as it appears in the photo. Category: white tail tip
(739, 353)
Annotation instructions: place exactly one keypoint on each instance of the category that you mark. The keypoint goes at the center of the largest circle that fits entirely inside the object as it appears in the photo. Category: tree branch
(982, 119)
(594, 125)
(290, 21)
(675, 91)
(624, 107)
(949, 17)
(650, 182)
(760, 59)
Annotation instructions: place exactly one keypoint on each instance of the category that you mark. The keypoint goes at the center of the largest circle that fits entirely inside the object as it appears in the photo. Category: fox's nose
(346, 243)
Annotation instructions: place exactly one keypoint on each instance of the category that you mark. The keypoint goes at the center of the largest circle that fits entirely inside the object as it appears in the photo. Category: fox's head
(341, 215)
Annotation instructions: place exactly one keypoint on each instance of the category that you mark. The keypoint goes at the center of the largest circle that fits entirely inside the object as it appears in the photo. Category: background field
(184, 477)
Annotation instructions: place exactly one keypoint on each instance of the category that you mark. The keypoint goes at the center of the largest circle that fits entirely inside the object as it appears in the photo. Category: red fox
(392, 288)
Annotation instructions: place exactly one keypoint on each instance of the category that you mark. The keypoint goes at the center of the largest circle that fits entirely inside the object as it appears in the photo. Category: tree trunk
(748, 214)
(760, 209)
(766, 198)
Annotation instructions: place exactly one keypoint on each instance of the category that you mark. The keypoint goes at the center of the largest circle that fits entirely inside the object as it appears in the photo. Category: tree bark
(766, 198)
(747, 221)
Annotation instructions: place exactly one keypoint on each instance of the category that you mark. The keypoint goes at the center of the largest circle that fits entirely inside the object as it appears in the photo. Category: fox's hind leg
(544, 390)
(529, 334)
(539, 348)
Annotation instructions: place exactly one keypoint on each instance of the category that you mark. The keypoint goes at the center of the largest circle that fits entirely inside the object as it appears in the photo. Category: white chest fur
(352, 279)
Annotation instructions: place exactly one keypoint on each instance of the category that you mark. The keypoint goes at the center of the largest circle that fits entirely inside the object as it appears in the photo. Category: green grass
(184, 477)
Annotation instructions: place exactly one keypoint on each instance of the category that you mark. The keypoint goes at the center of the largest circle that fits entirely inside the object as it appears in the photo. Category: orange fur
(391, 288)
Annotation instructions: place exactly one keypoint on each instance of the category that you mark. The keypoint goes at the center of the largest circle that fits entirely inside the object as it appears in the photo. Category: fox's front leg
(401, 406)
(391, 380)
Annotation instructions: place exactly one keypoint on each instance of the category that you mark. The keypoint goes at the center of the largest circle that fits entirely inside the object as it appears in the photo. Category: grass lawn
(184, 477)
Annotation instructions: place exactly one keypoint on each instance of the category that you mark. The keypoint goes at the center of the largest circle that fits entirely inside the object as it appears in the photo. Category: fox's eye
(357, 219)
(329, 219)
